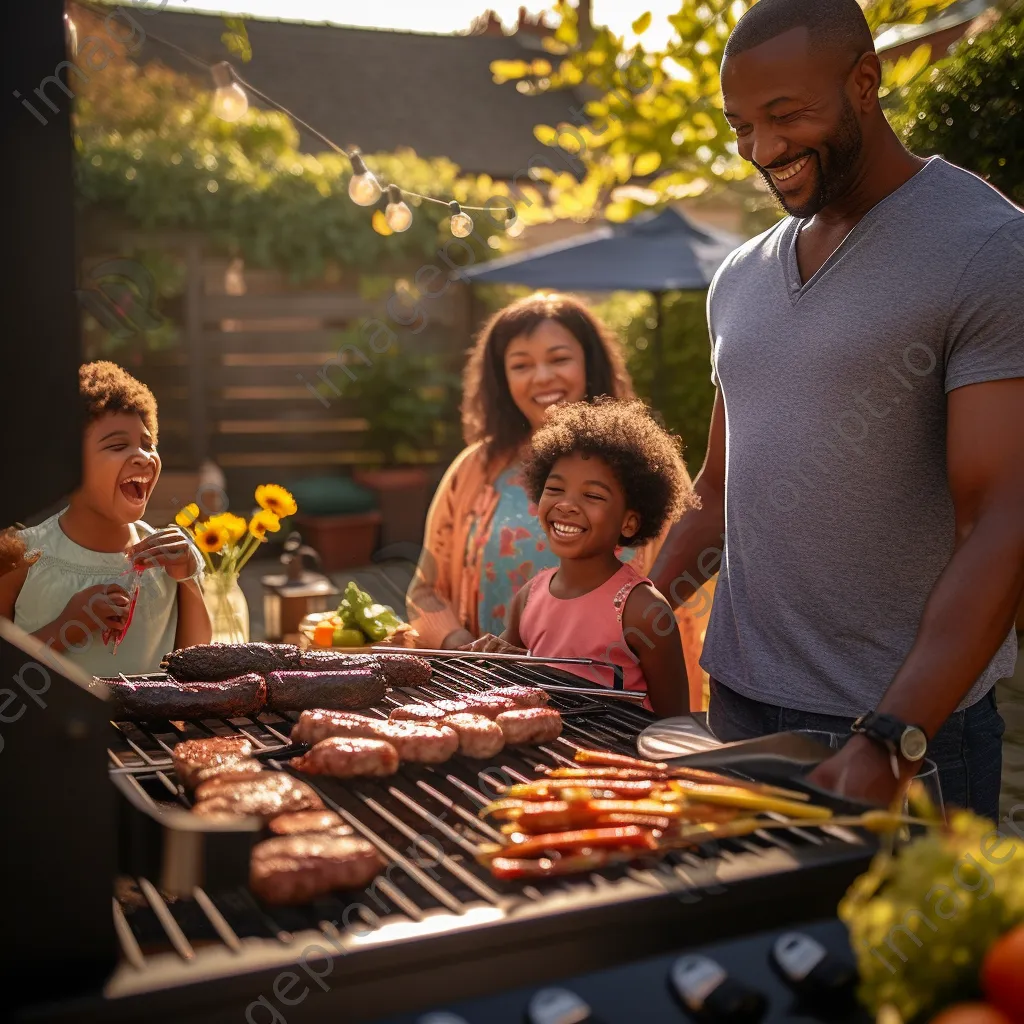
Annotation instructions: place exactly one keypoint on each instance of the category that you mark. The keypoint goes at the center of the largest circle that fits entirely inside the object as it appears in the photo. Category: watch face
(913, 743)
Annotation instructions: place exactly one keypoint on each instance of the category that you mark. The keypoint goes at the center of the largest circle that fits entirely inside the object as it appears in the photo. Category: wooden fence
(241, 386)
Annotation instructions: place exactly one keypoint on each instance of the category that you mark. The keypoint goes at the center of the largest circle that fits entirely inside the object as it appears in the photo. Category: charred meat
(298, 868)
(404, 669)
(346, 757)
(148, 700)
(214, 662)
(347, 689)
(530, 725)
(267, 796)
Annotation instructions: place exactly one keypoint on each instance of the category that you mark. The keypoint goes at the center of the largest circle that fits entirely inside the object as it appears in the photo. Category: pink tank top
(589, 626)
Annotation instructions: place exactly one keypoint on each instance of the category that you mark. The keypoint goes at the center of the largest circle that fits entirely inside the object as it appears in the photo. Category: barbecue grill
(435, 926)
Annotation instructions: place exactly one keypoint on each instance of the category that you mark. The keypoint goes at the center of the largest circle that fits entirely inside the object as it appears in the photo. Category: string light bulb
(397, 214)
(462, 223)
(71, 34)
(229, 99)
(363, 187)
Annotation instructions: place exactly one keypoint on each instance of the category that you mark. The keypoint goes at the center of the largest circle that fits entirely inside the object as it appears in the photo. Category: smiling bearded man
(866, 452)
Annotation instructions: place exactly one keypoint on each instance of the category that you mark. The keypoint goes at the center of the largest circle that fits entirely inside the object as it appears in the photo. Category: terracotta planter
(343, 542)
(403, 496)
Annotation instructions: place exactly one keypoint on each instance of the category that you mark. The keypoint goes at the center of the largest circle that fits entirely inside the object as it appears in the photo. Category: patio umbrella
(655, 252)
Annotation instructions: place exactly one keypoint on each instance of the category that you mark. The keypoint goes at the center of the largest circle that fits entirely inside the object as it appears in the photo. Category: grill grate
(423, 821)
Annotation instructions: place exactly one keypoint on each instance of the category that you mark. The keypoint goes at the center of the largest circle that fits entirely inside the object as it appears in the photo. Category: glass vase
(229, 612)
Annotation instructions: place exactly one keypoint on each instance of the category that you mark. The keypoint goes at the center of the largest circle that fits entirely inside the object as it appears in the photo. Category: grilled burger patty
(490, 704)
(191, 757)
(148, 700)
(413, 741)
(214, 662)
(348, 756)
(530, 725)
(478, 735)
(301, 822)
(417, 713)
(297, 868)
(267, 796)
(523, 696)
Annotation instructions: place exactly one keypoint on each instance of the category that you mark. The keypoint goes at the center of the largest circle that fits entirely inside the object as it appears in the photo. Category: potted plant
(408, 399)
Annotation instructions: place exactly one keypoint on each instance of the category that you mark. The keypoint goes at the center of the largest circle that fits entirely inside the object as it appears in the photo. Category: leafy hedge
(970, 108)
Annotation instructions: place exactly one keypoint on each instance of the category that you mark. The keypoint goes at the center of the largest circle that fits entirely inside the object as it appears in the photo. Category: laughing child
(72, 589)
(603, 475)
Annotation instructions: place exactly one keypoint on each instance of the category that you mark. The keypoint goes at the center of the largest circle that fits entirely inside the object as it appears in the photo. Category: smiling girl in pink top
(604, 475)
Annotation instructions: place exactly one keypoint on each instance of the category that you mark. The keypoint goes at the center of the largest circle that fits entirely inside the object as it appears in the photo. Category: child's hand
(492, 645)
(168, 549)
(104, 606)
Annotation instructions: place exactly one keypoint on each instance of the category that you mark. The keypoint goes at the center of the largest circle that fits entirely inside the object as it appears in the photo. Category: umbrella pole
(658, 360)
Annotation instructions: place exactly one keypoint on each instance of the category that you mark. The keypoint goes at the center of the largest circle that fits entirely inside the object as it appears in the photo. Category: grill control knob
(707, 991)
(558, 1006)
(811, 971)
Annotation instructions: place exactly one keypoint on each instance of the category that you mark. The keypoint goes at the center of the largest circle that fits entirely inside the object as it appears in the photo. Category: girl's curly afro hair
(105, 387)
(644, 457)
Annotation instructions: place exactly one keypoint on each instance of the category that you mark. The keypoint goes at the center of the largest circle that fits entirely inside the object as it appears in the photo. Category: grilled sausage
(478, 735)
(331, 659)
(523, 696)
(149, 700)
(489, 704)
(530, 725)
(413, 740)
(267, 796)
(301, 822)
(451, 707)
(191, 757)
(404, 669)
(215, 662)
(359, 686)
(425, 713)
(345, 757)
(296, 869)
(244, 768)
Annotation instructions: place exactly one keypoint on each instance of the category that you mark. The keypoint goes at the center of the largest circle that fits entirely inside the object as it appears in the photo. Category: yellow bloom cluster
(233, 538)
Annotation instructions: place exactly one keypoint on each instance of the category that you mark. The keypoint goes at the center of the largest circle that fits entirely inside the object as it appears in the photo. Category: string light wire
(270, 102)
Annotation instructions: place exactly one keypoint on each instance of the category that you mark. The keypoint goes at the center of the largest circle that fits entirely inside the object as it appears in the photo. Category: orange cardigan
(445, 591)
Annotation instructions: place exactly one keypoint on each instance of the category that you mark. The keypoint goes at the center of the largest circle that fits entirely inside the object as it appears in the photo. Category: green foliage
(970, 107)
(655, 130)
(679, 387)
(236, 39)
(151, 153)
(409, 399)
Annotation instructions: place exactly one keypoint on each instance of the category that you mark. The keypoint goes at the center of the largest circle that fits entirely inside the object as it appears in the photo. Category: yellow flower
(211, 538)
(262, 522)
(276, 499)
(187, 516)
(234, 526)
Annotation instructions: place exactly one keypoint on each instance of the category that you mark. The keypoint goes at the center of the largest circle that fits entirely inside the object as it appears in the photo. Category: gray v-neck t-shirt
(838, 513)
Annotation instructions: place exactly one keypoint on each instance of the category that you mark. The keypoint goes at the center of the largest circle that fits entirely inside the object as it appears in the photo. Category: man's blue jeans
(968, 749)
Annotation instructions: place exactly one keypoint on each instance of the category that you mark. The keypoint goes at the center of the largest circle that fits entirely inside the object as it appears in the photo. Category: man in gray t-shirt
(866, 455)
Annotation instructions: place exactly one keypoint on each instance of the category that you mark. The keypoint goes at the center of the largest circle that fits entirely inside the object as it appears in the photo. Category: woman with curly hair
(604, 476)
(482, 540)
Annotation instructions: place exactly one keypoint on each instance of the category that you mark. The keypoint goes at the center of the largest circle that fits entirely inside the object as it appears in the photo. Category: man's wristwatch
(900, 739)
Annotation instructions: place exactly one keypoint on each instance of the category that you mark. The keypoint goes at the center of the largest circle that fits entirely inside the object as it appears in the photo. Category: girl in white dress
(74, 587)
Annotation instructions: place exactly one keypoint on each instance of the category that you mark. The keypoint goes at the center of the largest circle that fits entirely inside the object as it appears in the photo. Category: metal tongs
(596, 692)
